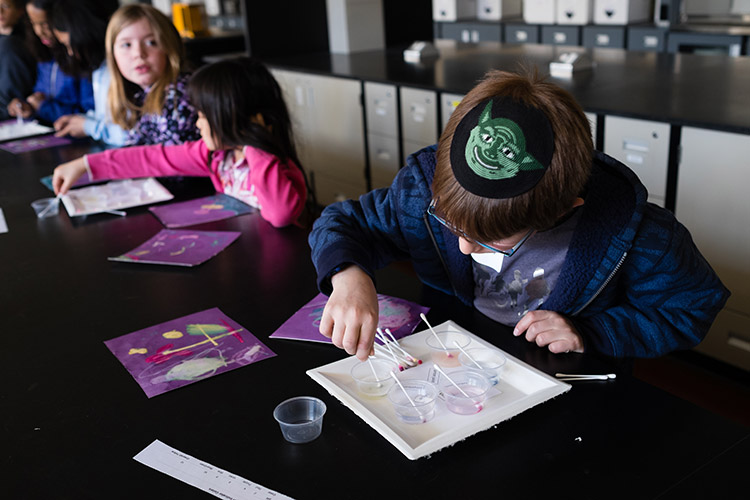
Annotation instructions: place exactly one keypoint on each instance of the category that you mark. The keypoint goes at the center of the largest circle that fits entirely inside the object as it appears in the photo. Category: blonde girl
(148, 89)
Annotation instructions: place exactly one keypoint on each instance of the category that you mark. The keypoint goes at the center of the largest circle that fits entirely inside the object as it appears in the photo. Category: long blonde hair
(122, 109)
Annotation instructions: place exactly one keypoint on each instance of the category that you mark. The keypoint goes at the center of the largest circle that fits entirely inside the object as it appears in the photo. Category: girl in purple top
(147, 94)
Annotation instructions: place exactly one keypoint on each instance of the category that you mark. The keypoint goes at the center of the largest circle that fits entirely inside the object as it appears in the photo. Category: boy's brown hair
(488, 219)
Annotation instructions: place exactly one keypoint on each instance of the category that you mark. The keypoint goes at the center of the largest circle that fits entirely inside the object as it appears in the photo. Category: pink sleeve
(280, 187)
(190, 158)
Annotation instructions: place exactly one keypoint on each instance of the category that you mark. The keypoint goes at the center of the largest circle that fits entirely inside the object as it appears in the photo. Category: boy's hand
(548, 328)
(36, 99)
(19, 107)
(66, 174)
(351, 315)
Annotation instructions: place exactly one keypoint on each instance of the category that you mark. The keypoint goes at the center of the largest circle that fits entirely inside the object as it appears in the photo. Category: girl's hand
(351, 313)
(70, 125)
(19, 107)
(66, 174)
(36, 99)
(548, 328)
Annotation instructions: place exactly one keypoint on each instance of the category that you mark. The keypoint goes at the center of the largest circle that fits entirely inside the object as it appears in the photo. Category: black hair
(86, 23)
(230, 93)
(41, 52)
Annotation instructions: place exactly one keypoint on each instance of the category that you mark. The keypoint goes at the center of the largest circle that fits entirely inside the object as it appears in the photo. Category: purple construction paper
(400, 316)
(208, 209)
(179, 352)
(179, 247)
(24, 145)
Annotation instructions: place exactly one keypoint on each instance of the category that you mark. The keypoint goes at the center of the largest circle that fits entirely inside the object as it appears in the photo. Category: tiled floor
(712, 385)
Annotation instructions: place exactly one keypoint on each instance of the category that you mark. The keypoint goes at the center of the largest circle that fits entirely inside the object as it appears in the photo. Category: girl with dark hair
(17, 65)
(56, 92)
(246, 149)
(80, 26)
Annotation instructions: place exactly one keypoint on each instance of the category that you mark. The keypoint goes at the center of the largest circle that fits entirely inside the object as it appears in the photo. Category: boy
(515, 213)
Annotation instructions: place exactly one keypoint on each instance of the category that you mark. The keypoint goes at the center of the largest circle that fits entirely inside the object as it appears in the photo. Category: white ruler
(202, 475)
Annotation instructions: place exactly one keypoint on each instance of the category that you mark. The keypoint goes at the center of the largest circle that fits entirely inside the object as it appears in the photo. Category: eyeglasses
(458, 232)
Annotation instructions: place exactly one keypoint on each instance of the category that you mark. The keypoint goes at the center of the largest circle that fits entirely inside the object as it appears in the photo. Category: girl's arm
(279, 186)
(145, 161)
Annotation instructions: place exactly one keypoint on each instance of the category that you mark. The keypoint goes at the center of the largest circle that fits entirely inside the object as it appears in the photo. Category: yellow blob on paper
(173, 334)
(133, 350)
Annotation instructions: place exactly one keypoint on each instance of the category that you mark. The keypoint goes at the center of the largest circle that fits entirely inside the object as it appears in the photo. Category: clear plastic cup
(444, 352)
(469, 397)
(373, 377)
(46, 207)
(300, 418)
(490, 362)
(421, 393)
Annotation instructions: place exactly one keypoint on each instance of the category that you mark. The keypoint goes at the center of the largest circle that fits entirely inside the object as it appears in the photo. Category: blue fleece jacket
(633, 282)
(65, 94)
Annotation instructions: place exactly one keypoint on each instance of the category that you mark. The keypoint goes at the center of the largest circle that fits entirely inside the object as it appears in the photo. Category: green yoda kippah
(501, 148)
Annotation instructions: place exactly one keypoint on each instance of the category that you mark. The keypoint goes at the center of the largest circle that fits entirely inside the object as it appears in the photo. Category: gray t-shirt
(505, 288)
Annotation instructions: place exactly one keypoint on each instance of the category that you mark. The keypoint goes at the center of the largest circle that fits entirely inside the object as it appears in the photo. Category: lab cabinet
(472, 32)
(448, 103)
(327, 117)
(604, 36)
(521, 33)
(561, 35)
(381, 110)
(704, 43)
(453, 10)
(578, 12)
(419, 123)
(540, 11)
(385, 159)
(647, 39)
(495, 10)
(712, 202)
(643, 146)
(622, 11)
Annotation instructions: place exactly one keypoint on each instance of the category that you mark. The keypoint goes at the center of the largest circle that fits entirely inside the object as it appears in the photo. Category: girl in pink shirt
(246, 146)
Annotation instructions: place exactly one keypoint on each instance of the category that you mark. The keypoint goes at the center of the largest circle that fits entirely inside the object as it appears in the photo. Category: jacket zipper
(606, 282)
(425, 218)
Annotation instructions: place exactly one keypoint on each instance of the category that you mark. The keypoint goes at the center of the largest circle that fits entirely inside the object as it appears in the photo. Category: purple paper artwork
(200, 210)
(400, 316)
(179, 247)
(24, 145)
(185, 350)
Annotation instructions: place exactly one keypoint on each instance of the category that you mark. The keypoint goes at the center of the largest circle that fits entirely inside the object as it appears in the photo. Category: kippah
(501, 148)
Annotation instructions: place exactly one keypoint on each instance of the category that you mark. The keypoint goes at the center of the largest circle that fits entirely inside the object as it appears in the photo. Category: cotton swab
(49, 207)
(467, 355)
(440, 370)
(393, 374)
(374, 373)
(19, 118)
(397, 346)
(388, 354)
(583, 376)
(379, 335)
(408, 360)
(424, 318)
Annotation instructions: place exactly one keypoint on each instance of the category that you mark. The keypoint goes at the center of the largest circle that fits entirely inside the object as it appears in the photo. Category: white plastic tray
(114, 195)
(521, 387)
(12, 130)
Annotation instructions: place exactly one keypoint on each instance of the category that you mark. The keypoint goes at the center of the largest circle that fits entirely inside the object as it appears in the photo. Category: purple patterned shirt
(174, 125)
